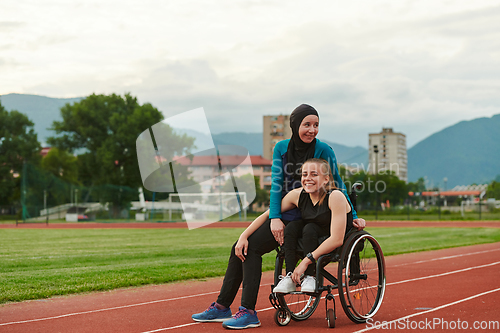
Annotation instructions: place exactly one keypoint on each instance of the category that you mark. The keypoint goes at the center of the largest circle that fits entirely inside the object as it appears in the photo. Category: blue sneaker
(242, 319)
(212, 314)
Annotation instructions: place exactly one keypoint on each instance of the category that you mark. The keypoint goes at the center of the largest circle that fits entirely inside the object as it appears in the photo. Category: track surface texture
(435, 289)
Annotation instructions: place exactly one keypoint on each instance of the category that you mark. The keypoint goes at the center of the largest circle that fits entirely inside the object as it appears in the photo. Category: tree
(418, 186)
(396, 190)
(386, 184)
(493, 190)
(18, 145)
(61, 164)
(106, 129)
(366, 194)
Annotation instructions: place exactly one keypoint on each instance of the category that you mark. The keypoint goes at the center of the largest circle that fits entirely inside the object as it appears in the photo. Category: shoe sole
(283, 291)
(217, 320)
(241, 327)
(308, 291)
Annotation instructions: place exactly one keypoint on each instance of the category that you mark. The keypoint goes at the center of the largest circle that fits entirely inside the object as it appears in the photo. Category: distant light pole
(45, 201)
(375, 150)
(45, 206)
(439, 204)
(445, 180)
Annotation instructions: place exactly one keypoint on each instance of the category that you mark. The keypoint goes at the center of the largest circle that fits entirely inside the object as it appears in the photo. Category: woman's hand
(300, 269)
(278, 230)
(241, 248)
(359, 223)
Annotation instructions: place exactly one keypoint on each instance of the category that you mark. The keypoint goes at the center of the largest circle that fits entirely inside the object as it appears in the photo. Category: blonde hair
(326, 170)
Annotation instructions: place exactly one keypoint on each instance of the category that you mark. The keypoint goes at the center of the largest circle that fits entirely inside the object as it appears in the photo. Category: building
(391, 154)
(276, 128)
(205, 169)
(45, 151)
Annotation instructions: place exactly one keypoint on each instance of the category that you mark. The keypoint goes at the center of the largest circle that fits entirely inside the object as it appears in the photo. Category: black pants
(311, 233)
(249, 272)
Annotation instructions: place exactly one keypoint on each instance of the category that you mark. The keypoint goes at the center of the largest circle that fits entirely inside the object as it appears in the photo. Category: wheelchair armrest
(335, 254)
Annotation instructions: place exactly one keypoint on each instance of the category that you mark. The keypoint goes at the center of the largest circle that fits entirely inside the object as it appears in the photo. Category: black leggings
(311, 233)
(259, 243)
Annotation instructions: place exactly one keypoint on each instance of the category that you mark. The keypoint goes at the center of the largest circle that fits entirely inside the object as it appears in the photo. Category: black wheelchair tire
(282, 317)
(330, 318)
(361, 298)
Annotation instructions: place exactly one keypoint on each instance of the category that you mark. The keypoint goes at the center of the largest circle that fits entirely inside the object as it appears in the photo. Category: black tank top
(319, 214)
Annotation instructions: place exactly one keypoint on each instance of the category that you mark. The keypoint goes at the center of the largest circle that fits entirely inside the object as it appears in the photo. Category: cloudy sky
(417, 66)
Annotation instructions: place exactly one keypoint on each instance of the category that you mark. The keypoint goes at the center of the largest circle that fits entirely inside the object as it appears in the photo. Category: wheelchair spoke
(363, 295)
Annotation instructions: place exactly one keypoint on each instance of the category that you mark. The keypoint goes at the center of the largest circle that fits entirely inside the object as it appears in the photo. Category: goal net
(200, 209)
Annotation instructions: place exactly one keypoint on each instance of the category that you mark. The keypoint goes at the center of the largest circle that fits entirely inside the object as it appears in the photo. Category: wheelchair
(360, 280)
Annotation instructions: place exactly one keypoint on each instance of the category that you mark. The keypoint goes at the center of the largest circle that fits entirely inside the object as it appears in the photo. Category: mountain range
(465, 153)
(41, 110)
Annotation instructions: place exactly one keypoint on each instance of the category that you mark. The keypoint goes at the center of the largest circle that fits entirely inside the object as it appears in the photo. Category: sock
(219, 306)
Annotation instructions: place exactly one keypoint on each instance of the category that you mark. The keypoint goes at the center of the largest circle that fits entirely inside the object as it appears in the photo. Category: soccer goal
(201, 208)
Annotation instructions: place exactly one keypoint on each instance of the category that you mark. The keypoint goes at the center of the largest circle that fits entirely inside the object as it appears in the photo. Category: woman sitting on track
(245, 261)
(325, 212)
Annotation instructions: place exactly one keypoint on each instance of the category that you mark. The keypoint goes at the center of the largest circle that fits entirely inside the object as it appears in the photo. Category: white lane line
(171, 328)
(386, 324)
(115, 308)
(443, 274)
(107, 309)
(387, 284)
(204, 294)
(444, 258)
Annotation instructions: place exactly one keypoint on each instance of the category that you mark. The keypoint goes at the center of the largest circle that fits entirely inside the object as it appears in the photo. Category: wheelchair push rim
(361, 287)
(300, 306)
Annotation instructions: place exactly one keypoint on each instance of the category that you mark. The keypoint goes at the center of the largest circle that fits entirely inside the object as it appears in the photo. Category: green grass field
(37, 263)
(400, 215)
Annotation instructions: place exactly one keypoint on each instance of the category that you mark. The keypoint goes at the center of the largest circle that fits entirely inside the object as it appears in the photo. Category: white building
(391, 154)
(275, 129)
(205, 169)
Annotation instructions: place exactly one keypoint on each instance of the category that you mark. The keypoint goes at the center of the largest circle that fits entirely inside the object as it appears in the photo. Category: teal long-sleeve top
(282, 184)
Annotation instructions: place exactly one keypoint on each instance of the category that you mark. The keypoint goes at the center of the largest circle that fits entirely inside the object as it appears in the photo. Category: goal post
(200, 209)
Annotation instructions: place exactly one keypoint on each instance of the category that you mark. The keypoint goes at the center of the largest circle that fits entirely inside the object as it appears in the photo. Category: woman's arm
(289, 201)
(339, 207)
(329, 155)
(241, 247)
(277, 179)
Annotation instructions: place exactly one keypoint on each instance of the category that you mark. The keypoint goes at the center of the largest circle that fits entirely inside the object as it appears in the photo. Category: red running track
(458, 286)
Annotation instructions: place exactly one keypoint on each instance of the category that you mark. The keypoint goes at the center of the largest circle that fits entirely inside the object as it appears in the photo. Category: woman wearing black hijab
(288, 157)
(266, 232)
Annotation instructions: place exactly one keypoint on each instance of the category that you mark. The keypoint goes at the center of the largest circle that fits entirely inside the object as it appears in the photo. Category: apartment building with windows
(276, 128)
(392, 154)
(205, 169)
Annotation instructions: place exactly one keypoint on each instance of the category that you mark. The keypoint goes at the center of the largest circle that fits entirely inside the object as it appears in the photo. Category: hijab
(298, 151)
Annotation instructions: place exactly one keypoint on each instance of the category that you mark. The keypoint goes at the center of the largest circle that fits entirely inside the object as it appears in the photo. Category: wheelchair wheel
(300, 306)
(330, 318)
(361, 275)
(282, 317)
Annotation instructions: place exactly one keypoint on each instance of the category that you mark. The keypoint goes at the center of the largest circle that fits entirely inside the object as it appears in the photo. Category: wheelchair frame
(360, 282)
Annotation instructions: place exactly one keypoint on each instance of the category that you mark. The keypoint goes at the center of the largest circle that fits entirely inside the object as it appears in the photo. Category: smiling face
(309, 128)
(314, 177)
